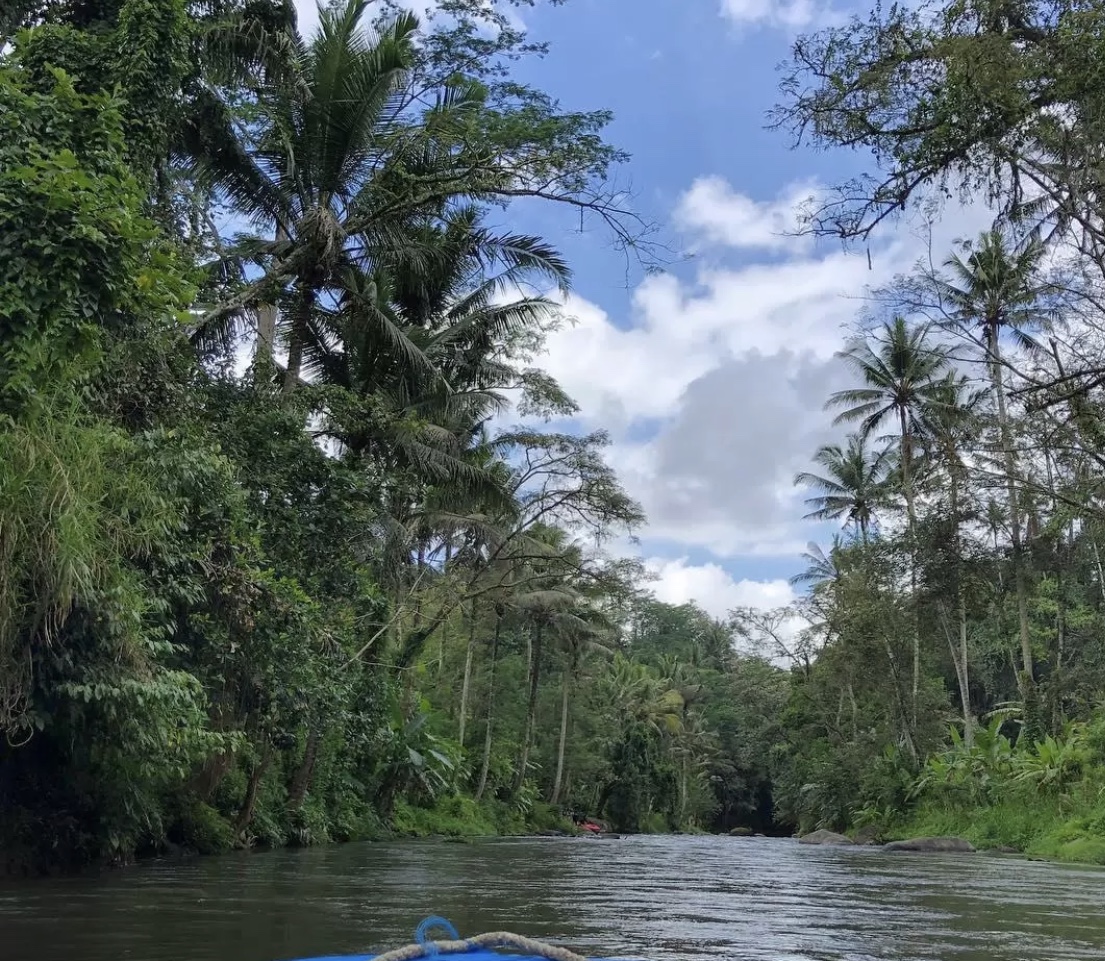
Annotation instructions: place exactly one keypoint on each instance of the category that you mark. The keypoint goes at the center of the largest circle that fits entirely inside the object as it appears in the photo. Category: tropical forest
(301, 543)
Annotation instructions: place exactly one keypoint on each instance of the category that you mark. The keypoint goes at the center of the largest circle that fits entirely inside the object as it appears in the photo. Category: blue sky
(711, 377)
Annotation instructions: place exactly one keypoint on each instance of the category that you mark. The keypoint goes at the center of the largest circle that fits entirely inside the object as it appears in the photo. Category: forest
(291, 550)
(952, 678)
(294, 547)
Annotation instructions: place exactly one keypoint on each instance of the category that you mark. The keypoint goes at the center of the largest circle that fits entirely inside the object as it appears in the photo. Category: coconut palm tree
(588, 632)
(951, 426)
(852, 485)
(899, 377)
(822, 567)
(898, 382)
(437, 335)
(307, 174)
(995, 293)
(550, 606)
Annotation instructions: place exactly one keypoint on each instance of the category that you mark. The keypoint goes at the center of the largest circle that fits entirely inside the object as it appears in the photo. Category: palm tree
(518, 590)
(950, 427)
(302, 175)
(899, 381)
(645, 715)
(586, 633)
(822, 567)
(996, 291)
(436, 334)
(684, 679)
(550, 607)
(851, 487)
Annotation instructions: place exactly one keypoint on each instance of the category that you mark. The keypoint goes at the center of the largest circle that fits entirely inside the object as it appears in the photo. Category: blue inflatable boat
(479, 948)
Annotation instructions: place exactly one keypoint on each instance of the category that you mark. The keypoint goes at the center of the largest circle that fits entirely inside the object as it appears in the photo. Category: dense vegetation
(959, 621)
(289, 550)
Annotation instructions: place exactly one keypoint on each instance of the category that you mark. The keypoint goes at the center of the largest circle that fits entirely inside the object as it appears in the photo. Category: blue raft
(479, 948)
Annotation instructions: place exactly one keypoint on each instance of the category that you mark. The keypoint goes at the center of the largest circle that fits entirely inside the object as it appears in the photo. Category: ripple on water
(668, 899)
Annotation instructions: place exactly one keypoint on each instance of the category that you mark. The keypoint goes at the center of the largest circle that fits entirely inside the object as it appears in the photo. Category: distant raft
(479, 948)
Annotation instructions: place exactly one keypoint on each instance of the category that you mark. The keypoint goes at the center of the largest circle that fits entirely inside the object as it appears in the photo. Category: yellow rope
(494, 939)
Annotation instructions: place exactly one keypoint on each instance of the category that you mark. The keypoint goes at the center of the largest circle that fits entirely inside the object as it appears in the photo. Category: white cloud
(423, 9)
(713, 588)
(789, 14)
(714, 385)
(713, 210)
(682, 331)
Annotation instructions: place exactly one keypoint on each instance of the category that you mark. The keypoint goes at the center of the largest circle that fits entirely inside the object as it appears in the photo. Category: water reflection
(671, 899)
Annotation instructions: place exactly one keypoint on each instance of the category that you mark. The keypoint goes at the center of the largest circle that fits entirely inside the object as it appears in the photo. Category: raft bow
(479, 948)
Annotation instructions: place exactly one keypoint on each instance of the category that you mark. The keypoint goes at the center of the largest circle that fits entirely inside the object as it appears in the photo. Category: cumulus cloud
(713, 588)
(680, 331)
(714, 385)
(715, 212)
(723, 466)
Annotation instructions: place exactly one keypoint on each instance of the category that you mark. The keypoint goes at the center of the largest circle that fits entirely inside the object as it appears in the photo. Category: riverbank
(1070, 829)
(460, 816)
(203, 831)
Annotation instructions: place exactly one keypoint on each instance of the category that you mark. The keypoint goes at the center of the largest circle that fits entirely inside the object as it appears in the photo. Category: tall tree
(899, 378)
(992, 125)
(996, 292)
(951, 426)
(852, 487)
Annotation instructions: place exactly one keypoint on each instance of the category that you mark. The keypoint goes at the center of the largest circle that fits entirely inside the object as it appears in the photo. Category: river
(670, 899)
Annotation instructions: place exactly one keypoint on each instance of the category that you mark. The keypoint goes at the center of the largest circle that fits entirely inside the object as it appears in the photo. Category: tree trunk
(962, 669)
(466, 684)
(487, 740)
(959, 660)
(566, 684)
(301, 782)
(1100, 570)
(911, 522)
(1055, 685)
(245, 815)
(896, 677)
(211, 775)
(1020, 583)
(297, 336)
(267, 317)
(965, 680)
(531, 707)
(683, 792)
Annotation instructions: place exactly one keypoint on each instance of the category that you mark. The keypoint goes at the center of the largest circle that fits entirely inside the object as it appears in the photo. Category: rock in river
(824, 837)
(932, 845)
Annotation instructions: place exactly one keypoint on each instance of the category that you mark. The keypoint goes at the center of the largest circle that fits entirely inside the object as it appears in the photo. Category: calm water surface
(670, 899)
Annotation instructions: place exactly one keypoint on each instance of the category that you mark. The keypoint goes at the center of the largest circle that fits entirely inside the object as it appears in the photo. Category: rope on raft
(494, 939)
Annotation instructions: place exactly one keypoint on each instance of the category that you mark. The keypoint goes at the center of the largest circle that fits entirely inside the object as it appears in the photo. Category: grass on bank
(461, 816)
(1067, 828)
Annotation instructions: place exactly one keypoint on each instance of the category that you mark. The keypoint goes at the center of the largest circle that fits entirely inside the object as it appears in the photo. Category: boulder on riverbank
(868, 836)
(824, 837)
(932, 845)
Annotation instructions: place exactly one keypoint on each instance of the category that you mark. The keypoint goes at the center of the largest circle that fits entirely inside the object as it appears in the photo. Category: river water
(669, 899)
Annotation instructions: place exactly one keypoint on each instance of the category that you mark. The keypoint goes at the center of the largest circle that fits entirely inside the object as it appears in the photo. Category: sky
(711, 377)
